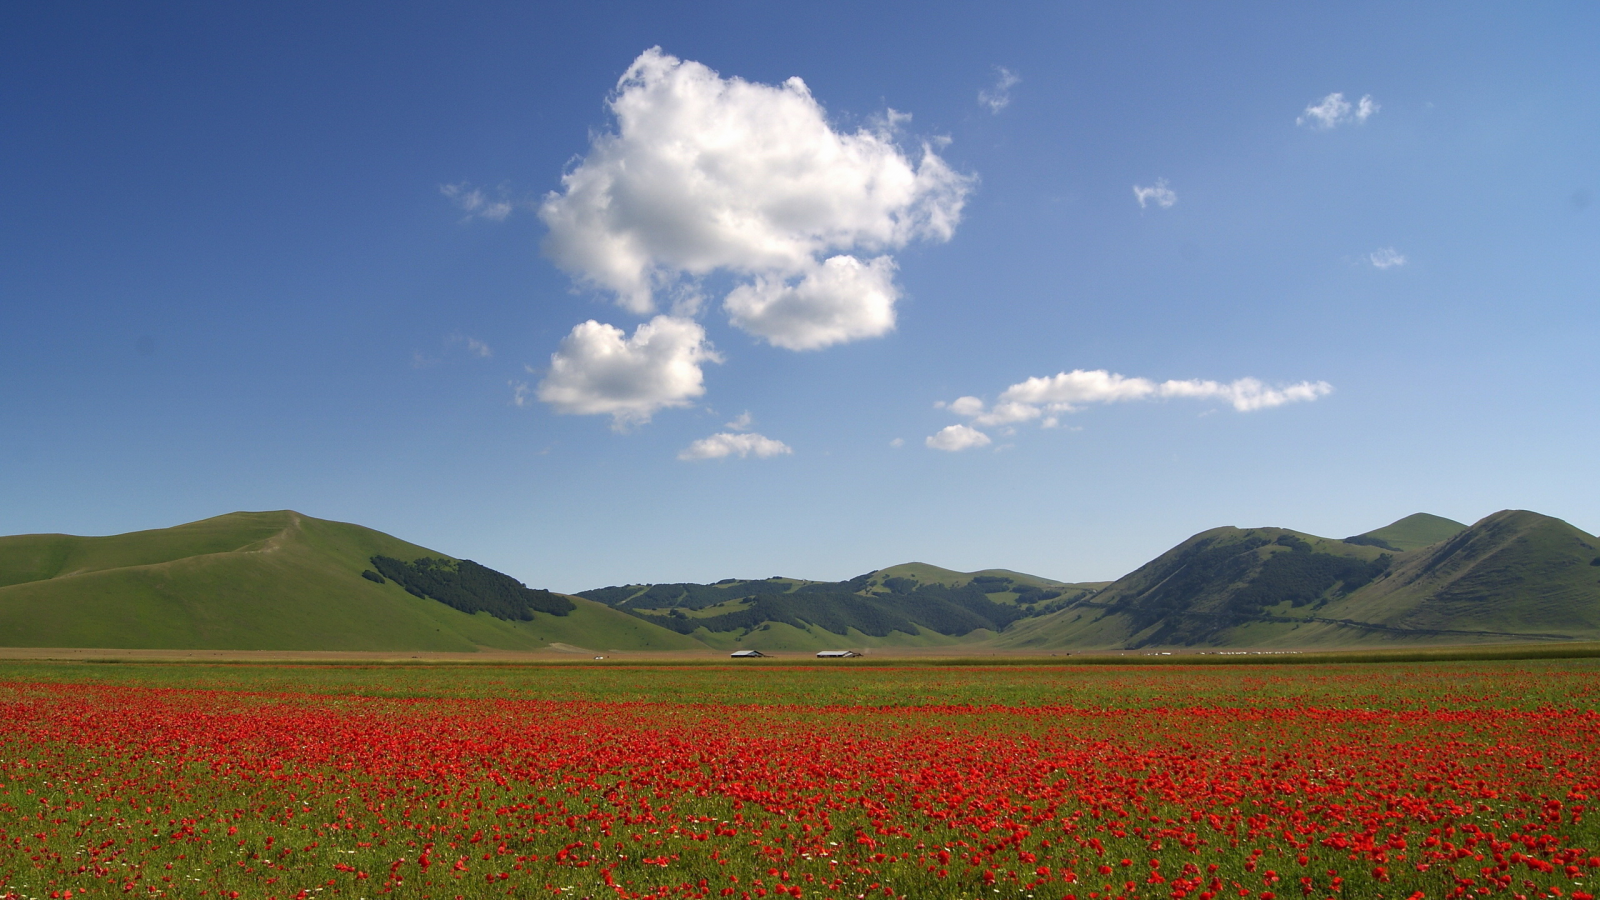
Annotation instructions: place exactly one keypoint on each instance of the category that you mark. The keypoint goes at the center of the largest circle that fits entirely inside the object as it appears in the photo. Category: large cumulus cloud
(704, 174)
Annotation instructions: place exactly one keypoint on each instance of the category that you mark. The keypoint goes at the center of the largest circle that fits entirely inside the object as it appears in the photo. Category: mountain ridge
(283, 580)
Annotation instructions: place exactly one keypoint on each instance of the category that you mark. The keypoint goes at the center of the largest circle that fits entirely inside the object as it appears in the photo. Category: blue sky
(1036, 286)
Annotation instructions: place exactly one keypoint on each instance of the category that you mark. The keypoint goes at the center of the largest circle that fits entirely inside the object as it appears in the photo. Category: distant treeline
(469, 587)
(700, 596)
(950, 611)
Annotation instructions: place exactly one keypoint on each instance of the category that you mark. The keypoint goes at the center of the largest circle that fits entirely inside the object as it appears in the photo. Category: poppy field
(1407, 781)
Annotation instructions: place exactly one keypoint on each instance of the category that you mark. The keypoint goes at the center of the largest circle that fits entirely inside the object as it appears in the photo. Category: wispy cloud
(1158, 193)
(725, 444)
(1045, 399)
(477, 204)
(998, 96)
(1386, 258)
(471, 345)
(1334, 110)
(522, 393)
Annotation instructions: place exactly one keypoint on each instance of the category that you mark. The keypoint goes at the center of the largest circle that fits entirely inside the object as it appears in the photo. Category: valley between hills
(258, 582)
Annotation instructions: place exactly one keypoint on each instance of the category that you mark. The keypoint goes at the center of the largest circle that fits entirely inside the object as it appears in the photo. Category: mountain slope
(1512, 576)
(1513, 572)
(1413, 532)
(914, 604)
(1212, 583)
(260, 581)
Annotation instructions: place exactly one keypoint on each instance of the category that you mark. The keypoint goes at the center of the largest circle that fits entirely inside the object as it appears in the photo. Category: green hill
(266, 581)
(1514, 576)
(1414, 532)
(914, 604)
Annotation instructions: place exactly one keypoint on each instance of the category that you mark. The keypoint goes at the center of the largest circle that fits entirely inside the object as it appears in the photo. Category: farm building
(836, 654)
(746, 654)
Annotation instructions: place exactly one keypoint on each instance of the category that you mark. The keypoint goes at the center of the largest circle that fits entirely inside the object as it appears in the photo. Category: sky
(610, 293)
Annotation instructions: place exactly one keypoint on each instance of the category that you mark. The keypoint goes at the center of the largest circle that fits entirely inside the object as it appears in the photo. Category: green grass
(1393, 680)
(260, 581)
(1416, 531)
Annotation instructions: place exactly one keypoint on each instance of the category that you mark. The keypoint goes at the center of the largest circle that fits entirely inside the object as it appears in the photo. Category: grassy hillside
(909, 605)
(1208, 585)
(1413, 532)
(260, 581)
(1514, 572)
(1514, 576)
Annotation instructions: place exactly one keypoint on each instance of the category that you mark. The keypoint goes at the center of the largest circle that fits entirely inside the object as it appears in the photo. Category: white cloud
(1247, 394)
(1334, 110)
(1065, 392)
(727, 444)
(598, 370)
(897, 443)
(704, 174)
(476, 204)
(741, 422)
(843, 299)
(953, 438)
(999, 96)
(1158, 193)
(1386, 258)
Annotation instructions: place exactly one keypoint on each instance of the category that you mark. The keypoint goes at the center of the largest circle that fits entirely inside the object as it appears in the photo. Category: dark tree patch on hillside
(372, 576)
(1301, 577)
(699, 596)
(950, 611)
(1367, 540)
(471, 588)
(1191, 598)
(611, 596)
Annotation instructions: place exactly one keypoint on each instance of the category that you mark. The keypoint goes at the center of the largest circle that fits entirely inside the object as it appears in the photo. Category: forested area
(469, 587)
(950, 611)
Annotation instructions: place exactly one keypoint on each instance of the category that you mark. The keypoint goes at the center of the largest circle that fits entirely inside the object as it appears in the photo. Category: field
(1407, 780)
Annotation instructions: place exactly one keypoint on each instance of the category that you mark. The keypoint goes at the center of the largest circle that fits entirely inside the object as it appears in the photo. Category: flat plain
(1396, 779)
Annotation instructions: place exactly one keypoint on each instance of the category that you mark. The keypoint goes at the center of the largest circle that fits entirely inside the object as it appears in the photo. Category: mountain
(1414, 532)
(913, 604)
(1513, 576)
(284, 581)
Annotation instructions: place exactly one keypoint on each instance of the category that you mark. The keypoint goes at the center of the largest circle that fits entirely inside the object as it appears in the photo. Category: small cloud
(999, 96)
(1334, 110)
(599, 370)
(720, 446)
(897, 443)
(1158, 193)
(741, 422)
(420, 360)
(955, 438)
(1386, 258)
(476, 204)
